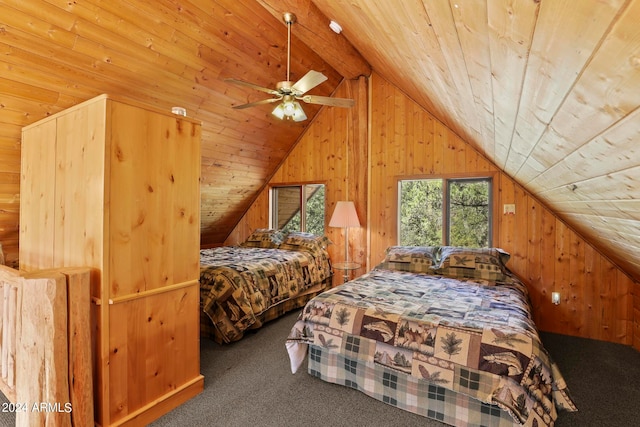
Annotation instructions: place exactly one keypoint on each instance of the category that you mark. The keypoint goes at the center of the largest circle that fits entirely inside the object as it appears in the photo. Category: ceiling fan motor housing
(289, 18)
(285, 87)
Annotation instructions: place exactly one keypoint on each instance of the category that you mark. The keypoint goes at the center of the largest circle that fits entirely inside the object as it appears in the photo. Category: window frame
(301, 199)
(446, 178)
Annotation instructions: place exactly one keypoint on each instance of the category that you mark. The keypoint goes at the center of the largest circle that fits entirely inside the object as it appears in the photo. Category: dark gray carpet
(604, 380)
(249, 383)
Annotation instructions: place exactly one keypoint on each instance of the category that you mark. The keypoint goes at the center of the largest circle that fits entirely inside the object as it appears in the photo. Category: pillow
(299, 241)
(264, 238)
(415, 259)
(473, 263)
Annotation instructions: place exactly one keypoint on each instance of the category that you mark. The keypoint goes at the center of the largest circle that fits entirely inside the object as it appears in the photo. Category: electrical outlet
(509, 209)
(555, 297)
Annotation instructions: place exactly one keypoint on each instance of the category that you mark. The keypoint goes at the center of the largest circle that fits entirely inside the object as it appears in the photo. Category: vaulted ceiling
(547, 89)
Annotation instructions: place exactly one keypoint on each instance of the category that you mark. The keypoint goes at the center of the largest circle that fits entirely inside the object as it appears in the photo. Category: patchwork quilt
(239, 284)
(472, 336)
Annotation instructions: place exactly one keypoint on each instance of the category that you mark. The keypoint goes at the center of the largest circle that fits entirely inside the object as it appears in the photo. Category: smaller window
(298, 208)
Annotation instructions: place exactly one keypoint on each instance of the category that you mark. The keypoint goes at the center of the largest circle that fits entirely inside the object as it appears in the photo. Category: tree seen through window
(454, 212)
(290, 203)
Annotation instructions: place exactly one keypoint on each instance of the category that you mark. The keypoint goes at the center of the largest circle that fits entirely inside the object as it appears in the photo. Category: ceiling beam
(312, 28)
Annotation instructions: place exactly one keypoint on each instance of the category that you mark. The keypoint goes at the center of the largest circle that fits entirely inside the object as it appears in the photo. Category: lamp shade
(279, 111)
(344, 215)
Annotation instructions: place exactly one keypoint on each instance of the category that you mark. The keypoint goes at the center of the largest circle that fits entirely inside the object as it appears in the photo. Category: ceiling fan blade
(308, 82)
(253, 104)
(251, 85)
(325, 100)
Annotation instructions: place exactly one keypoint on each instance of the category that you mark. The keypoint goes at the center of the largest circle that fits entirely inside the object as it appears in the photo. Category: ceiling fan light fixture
(289, 109)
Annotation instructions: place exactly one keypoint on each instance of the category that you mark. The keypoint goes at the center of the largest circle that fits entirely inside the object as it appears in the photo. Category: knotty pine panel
(153, 332)
(154, 189)
(38, 195)
(79, 185)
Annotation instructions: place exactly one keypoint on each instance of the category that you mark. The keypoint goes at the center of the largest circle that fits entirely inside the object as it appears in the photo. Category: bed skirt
(208, 330)
(405, 391)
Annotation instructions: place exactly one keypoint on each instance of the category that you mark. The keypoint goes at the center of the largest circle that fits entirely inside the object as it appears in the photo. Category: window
(454, 212)
(298, 208)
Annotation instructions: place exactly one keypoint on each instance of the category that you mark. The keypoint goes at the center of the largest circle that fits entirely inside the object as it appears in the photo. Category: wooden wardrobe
(114, 186)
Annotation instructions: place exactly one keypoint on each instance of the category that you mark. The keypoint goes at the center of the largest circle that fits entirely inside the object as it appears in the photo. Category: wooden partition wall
(598, 298)
(114, 186)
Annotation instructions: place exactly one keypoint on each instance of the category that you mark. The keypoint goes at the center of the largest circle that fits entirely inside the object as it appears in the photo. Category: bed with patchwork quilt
(443, 332)
(271, 273)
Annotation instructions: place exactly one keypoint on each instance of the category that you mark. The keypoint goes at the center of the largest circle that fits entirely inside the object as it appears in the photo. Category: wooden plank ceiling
(547, 89)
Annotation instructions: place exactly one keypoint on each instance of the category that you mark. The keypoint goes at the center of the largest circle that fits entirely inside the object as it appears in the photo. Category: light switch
(509, 209)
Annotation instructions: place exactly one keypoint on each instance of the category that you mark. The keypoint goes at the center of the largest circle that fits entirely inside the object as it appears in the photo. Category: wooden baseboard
(161, 406)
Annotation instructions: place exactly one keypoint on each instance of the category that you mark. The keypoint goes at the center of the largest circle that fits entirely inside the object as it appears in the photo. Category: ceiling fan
(289, 92)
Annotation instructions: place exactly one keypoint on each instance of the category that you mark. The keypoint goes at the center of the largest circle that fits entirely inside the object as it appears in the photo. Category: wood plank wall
(10, 188)
(599, 300)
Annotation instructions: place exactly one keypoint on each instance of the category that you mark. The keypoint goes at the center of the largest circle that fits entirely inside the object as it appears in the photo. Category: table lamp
(345, 216)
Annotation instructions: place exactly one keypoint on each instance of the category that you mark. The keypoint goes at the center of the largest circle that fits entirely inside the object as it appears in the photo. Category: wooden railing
(10, 284)
(45, 346)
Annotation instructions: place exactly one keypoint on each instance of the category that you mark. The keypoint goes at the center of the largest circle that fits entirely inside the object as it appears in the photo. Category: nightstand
(346, 268)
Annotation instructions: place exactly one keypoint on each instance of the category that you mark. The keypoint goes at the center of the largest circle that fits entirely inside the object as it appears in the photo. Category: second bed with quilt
(271, 273)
